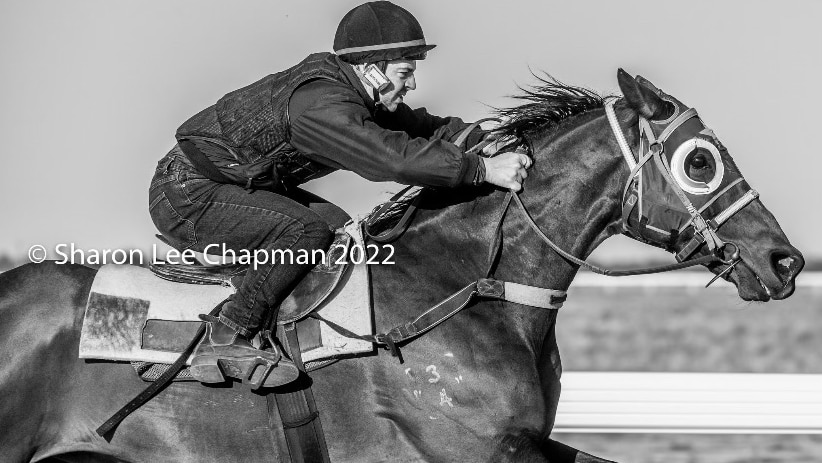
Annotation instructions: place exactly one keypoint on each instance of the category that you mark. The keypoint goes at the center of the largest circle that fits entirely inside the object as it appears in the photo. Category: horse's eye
(698, 161)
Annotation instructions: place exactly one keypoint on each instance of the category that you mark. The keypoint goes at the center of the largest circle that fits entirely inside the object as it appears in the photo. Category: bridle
(653, 147)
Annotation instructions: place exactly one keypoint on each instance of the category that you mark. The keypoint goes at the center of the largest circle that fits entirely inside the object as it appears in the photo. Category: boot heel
(208, 371)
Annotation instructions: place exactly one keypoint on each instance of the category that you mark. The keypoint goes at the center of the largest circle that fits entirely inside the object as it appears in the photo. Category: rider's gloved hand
(507, 170)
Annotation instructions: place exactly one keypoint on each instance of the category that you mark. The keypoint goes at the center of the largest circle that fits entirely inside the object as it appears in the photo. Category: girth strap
(298, 411)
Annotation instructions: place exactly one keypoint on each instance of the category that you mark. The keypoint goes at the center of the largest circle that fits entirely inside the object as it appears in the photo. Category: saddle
(312, 290)
(133, 315)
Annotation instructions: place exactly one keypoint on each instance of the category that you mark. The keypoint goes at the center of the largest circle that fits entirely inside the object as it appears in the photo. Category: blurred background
(92, 92)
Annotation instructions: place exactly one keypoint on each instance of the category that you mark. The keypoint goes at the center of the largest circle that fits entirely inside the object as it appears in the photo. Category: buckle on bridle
(657, 147)
(734, 255)
(730, 262)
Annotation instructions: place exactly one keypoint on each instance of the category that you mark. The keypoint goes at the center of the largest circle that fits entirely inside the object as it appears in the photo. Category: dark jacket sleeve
(419, 123)
(330, 123)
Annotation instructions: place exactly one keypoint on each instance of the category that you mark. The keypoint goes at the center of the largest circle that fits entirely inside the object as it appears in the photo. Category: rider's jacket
(316, 117)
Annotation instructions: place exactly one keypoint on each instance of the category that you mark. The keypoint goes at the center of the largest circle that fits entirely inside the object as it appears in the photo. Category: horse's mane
(548, 103)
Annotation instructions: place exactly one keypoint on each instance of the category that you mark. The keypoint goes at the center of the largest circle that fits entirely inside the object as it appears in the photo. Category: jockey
(230, 177)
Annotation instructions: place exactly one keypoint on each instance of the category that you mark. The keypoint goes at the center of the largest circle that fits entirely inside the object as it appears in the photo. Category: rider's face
(401, 74)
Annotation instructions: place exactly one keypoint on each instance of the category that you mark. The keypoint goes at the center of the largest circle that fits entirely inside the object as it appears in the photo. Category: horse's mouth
(753, 286)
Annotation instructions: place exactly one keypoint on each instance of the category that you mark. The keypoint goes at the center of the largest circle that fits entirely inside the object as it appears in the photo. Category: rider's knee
(319, 232)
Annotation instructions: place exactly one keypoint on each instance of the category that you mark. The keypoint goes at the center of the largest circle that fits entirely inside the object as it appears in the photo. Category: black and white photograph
(338, 231)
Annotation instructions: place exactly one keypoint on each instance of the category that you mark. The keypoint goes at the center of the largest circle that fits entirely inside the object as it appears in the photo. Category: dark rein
(490, 288)
(404, 222)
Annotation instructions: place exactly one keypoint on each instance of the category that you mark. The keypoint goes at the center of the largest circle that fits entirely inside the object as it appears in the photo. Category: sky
(92, 91)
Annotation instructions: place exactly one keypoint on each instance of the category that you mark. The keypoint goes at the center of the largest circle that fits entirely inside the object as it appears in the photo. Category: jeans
(194, 212)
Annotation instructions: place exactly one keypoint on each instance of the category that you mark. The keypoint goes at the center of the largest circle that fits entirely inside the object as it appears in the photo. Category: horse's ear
(639, 97)
(647, 83)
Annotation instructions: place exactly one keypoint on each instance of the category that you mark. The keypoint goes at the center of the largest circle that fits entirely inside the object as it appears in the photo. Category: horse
(482, 386)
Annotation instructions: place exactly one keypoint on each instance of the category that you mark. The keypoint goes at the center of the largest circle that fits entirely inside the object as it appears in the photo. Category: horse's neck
(573, 192)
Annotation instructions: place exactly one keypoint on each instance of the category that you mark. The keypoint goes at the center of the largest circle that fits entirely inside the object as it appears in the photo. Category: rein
(704, 233)
(608, 272)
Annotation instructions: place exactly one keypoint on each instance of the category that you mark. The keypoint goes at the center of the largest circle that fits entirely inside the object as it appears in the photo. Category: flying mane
(546, 104)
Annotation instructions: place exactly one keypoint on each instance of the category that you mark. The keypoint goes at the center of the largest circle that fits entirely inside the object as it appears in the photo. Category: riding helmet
(379, 31)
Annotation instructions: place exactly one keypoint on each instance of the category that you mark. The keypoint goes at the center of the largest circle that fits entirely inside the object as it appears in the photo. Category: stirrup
(257, 372)
(265, 367)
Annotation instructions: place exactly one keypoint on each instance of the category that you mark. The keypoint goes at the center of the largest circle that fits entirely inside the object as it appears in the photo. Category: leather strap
(627, 153)
(737, 205)
(405, 220)
(398, 229)
(704, 230)
(614, 273)
(158, 385)
(713, 199)
(542, 298)
(298, 412)
(466, 132)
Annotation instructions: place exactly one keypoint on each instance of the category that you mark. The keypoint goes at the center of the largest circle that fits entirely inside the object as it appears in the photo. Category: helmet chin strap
(359, 69)
(383, 65)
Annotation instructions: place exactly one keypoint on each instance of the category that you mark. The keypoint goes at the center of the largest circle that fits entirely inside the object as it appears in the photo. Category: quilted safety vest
(253, 120)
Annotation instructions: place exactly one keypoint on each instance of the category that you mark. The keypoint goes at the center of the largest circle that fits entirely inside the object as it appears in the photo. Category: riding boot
(225, 352)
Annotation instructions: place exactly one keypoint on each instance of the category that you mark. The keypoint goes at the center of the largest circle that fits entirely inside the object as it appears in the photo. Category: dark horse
(483, 386)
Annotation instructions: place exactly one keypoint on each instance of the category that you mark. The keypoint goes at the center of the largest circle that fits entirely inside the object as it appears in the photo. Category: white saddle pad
(124, 298)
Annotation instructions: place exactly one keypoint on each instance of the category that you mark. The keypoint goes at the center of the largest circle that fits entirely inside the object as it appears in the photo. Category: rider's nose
(411, 83)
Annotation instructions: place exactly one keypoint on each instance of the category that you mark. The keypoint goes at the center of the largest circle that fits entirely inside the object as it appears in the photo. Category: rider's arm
(337, 129)
(419, 123)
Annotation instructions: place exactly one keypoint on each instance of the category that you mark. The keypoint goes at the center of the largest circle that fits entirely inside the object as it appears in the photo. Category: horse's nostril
(786, 265)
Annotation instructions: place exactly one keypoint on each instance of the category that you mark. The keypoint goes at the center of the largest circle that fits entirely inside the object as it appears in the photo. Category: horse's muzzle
(786, 265)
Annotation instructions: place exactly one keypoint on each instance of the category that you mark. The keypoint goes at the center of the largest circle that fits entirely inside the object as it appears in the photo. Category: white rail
(713, 403)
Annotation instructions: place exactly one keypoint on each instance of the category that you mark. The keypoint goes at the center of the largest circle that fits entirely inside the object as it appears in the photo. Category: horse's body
(483, 386)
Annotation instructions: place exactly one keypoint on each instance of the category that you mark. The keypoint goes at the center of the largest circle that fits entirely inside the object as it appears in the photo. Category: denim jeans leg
(242, 221)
